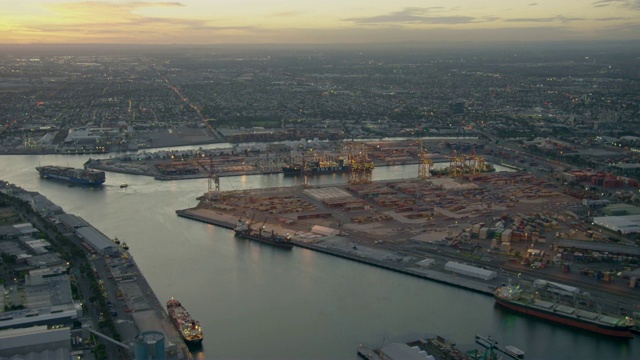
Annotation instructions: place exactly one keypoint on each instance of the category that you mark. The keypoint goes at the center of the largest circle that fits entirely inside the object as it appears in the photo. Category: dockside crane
(424, 167)
(263, 225)
(360, 165)
(471, 162)
(214, 180)
(456, 163)
(250, 223)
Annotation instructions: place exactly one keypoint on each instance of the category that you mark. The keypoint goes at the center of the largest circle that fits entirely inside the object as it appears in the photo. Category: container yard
(474, 231)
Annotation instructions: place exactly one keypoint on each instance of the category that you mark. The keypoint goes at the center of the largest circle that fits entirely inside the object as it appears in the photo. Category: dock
(228, 222)
(469, 232)
(437, 348)
(146, 311)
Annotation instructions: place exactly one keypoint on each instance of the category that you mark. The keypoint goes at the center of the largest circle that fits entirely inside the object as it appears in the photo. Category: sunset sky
(306, 21)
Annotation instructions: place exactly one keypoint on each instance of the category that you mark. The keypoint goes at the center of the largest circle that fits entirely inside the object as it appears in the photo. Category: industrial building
(626, 224)
(584, 250)
(56, 315)
(468, 270)
(90, 235)
(621, 209)
(37, 342)
(399, 351)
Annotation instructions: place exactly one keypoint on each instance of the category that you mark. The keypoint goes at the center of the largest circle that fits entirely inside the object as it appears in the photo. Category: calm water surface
(255, 301)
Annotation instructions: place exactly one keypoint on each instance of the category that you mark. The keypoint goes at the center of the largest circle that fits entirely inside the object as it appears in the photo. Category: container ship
(188, 328)
(72, 175)
(516, 299)
(316, 168)
(243, 230)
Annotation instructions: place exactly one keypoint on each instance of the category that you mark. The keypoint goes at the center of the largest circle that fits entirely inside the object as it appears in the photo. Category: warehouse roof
(96, 239)
(596, 246)
(71, 221)
(626, 224)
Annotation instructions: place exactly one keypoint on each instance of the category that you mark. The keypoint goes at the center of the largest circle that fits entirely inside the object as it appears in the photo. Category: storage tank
(149, 345)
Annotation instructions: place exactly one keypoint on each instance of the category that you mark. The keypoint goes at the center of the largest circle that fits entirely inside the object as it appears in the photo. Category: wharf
(390, 225)
(227, 221)
(427, 274)
(221, 220)
(146, 311)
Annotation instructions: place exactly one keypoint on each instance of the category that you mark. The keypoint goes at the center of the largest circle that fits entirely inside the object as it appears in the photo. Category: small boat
(115, 240)
(514, 352)
(125, 246)
(123, 185)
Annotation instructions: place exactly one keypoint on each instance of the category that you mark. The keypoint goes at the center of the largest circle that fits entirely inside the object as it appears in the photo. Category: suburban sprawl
(527, 166)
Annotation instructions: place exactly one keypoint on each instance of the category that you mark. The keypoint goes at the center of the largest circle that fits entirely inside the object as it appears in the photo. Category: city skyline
(277, 21)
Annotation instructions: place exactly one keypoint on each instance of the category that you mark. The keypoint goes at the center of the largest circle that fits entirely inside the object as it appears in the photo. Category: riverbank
(133, 307)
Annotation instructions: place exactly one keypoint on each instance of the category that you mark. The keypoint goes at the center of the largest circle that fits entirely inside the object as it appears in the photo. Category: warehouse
(622, 224)
(464, 269)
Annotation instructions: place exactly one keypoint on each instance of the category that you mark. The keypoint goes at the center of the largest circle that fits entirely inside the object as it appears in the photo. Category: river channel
(255, 301)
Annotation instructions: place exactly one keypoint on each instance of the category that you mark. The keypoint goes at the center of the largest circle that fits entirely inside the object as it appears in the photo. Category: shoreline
(433, 275)
(407, 263)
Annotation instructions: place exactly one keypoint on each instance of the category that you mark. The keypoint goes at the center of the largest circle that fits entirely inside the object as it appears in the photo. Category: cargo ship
(515, 298)
(316, 168)
(244, 230)
(188, 328)
(72, 175)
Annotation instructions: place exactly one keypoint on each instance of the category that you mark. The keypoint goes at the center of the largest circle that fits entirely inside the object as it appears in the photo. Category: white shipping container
(506, 235)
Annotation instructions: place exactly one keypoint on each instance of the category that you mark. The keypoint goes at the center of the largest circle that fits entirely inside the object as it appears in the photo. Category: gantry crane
(424, 167)
(360, 165)
(456, 164)
(471, 162)
(214, 180)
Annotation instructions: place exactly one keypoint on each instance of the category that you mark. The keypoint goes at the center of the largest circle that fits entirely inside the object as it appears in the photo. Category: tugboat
(125, 246)
(115, 240)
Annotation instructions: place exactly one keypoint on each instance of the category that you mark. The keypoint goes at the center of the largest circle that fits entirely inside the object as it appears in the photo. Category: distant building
(621, 210)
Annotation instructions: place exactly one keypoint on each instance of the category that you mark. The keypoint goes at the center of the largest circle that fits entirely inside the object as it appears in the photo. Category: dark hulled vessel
(514, 298)
(243, 230)
(72, 175)
(316, 168)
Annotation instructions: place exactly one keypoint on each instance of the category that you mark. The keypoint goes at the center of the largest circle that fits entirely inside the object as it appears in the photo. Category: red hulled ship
(188, 328)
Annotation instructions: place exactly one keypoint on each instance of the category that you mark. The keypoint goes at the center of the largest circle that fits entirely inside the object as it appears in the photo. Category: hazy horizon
(199, 22)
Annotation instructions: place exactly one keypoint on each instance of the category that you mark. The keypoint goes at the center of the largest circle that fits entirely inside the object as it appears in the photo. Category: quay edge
(437, 276)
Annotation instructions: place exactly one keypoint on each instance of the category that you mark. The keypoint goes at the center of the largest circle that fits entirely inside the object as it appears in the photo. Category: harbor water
(255, 301)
